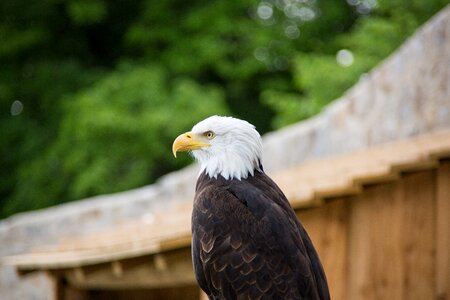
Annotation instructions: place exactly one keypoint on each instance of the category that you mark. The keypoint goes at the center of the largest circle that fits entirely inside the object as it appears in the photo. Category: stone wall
(406, 95)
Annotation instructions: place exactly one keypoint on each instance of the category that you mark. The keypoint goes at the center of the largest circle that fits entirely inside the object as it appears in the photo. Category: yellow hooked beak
(186, 142)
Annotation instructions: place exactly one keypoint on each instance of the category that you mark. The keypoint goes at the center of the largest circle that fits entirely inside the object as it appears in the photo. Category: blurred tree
(244, 46)
(325, 73)
(93, 91)
(114, 136)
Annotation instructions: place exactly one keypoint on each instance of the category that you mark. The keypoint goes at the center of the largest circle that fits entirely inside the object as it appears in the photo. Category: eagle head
(223, 146)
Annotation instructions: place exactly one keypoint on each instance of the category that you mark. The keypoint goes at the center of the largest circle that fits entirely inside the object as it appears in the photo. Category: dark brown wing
(247, 246)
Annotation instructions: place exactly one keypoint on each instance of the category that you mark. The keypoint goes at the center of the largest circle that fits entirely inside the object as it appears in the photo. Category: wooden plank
(299, 204)
(203, 295)
(71, 293)
(443, 153)
(375, 251)
(337, 191)
(188, 292)
(415, 166)
(443, 231)
(358, 249)
(375, 178)
(418, 233)
(179, 242)
(92, 253)
(172, 268)
(327, 227)
(64, 291)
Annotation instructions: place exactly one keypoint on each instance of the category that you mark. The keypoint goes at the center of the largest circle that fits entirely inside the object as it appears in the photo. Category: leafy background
(92, 92)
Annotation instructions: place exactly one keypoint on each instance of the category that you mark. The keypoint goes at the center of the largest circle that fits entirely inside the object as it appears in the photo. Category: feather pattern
(248, 244)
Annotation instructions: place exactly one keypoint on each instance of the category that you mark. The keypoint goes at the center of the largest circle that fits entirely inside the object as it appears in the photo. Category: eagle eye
(209, 135)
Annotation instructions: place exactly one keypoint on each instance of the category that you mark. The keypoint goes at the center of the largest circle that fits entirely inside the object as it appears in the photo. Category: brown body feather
(248, 244)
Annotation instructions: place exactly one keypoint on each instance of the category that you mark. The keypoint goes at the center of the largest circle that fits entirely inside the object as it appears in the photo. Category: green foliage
(106, 85)
(117, 135)
(318, 76)
(86, 12)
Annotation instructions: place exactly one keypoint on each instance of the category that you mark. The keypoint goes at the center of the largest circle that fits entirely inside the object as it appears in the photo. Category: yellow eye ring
(209, 135)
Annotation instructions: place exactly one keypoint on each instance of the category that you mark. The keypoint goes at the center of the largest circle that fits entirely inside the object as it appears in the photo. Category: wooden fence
(392, 241)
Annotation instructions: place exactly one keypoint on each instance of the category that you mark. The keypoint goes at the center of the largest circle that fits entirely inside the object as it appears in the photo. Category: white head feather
(235, 147)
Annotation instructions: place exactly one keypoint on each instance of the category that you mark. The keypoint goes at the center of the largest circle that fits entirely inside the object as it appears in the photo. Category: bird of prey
(247, 242)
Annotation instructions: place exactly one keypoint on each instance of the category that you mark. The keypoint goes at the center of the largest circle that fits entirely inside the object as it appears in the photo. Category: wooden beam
(337, 192)
(327, 227)
(371, 179)
(419, 236)
(443, 231)
(172, 268)
(415, 166)
(160, 262)
(78, 274)
(117, 269)
(374, 248)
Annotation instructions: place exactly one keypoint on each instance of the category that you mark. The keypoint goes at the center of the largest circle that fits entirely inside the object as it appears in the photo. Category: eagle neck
(231, 168)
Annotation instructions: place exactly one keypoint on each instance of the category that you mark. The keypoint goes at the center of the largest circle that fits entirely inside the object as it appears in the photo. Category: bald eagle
(247, 242)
